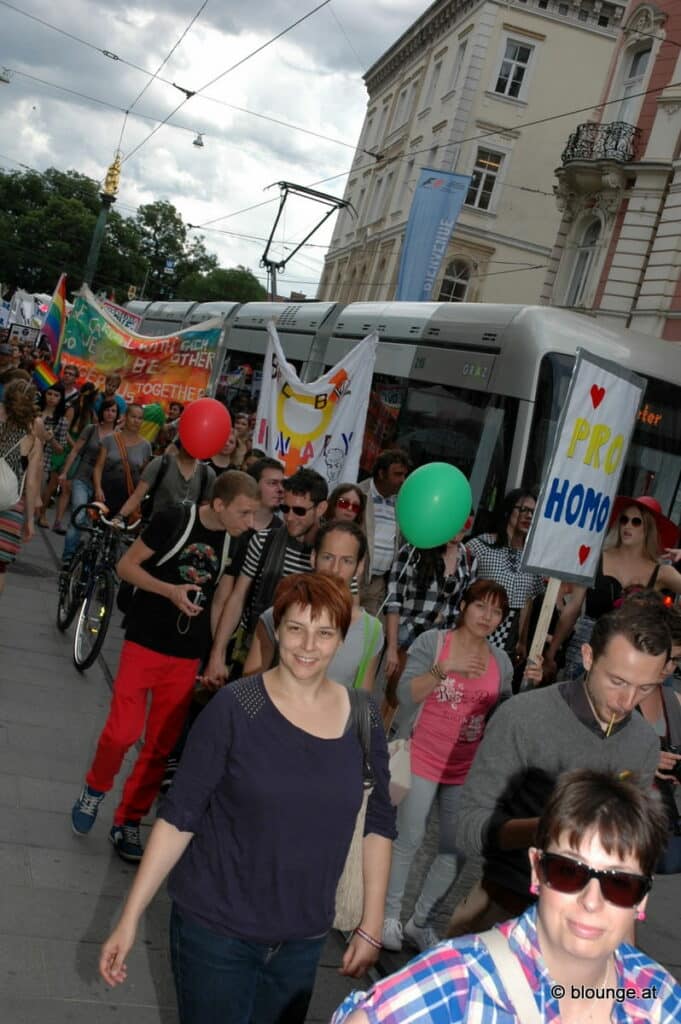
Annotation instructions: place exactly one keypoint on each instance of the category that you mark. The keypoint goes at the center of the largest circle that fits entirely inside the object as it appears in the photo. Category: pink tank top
(452, 722)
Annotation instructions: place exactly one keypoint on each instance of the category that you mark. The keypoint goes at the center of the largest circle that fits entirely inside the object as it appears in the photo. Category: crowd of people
(277, 638)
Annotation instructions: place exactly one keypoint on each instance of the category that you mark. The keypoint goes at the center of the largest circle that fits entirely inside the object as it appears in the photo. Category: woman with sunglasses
(346, 502)
(567, 958)
(630, 562)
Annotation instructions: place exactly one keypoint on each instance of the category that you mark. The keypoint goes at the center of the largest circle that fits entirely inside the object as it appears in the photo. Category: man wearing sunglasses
(535, 736)
(271, 555)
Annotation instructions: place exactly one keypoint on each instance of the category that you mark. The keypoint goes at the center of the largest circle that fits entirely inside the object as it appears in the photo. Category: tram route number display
(592, 439)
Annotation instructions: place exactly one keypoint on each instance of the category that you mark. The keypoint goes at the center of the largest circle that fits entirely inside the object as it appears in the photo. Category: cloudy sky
(310, 78)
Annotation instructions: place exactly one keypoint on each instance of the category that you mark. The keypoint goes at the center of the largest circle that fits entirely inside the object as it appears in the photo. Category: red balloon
(204, 428)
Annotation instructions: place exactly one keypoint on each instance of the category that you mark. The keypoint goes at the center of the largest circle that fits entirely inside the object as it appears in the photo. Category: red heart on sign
(584, 553)
(597, 395)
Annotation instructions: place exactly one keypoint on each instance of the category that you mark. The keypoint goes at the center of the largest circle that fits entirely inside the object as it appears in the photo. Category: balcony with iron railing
(616, 141)
(596, 158)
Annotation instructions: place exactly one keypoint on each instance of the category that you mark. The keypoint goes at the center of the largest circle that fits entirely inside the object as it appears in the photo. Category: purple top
(272, 809)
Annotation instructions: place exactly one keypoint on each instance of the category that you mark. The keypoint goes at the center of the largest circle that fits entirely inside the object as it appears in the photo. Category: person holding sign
(630, 562)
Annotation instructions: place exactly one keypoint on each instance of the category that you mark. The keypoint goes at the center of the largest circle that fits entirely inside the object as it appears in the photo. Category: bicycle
(89, 590)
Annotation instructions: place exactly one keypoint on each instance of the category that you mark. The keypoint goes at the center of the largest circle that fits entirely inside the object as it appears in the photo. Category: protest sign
(25, 335)
(122, 315)
(173, 368)
(319, 424)
(574, 507)
(592, 439)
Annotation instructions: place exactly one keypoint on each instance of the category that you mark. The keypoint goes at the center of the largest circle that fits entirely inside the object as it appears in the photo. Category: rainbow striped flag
(55, 321)
(43, 375)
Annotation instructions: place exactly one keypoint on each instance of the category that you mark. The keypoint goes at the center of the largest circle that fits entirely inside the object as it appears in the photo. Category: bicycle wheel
(71, 592)
(93, 620)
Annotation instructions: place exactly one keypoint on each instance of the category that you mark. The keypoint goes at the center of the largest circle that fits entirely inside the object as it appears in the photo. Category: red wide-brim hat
(666, 530)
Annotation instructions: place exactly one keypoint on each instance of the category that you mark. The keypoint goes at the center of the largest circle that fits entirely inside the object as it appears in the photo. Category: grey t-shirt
(114, 478)
(174, 488)
(88, 453)
(345, 663)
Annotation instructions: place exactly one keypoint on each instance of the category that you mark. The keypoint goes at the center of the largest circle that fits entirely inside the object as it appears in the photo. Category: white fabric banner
(319, 425)
(592, 439)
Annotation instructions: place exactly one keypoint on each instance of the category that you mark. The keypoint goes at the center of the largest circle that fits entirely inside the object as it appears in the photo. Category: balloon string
(412, 551)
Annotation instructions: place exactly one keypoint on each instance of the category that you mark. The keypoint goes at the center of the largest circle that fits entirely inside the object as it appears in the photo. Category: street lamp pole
(108, 198)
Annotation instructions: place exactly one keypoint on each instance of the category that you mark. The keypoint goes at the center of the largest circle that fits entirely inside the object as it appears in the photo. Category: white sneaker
(392, 935)
(423, 937)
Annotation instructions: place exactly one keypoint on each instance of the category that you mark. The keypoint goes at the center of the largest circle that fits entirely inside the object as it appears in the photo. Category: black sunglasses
(634, 520)
(621, 888)
(298, 510)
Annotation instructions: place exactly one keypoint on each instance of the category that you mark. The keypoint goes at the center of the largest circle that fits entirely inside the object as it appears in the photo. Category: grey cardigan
(421, 656)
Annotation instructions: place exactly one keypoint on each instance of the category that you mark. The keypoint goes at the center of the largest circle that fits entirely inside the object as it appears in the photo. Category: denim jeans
(82, 492)
(220, 980)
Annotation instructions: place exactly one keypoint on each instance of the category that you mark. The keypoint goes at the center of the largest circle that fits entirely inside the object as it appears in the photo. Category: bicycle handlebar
(114, 523)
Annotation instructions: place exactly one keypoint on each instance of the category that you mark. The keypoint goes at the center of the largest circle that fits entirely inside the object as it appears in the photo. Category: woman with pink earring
(567, 958)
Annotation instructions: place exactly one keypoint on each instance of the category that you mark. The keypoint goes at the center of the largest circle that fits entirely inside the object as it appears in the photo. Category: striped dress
(11, 520)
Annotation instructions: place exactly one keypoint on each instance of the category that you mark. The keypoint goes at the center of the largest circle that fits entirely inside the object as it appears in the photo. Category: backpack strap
(371, 633)
(203, 486)
(158, 479)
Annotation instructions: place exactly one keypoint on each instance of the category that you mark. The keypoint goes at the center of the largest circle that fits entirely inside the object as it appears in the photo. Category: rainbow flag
(55, 321)
(43, 375)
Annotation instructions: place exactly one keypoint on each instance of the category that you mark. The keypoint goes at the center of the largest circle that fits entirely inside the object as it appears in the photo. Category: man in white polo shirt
(390, 472)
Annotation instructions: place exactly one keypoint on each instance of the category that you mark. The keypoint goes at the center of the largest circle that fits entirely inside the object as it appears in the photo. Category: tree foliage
(46, 225)
(236, 285)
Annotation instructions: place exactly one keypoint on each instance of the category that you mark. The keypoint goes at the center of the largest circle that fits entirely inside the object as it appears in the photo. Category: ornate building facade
(473, 86)
(618, 248)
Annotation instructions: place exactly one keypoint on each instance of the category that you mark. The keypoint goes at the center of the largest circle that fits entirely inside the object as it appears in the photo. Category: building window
(432, 158)
(564, 10)
(483, 180)
(432, 85)
(455, 282)
(634, 79)
(583, 262)
(385, 200)
(458, 64)
(603, 20)
(583, 14)
(543, 4)
(407, 190)
(513, 69)
(377, 200)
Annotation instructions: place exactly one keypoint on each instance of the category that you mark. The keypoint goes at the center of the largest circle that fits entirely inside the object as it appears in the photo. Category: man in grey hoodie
(534, 737)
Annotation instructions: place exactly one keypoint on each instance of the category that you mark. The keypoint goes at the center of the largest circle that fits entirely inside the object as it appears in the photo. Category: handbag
(136, 513)
(10, 488)
(350, 888)
(399, 752)
(512, 976)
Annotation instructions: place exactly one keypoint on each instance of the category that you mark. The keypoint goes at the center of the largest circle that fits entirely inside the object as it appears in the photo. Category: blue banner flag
(434, 210)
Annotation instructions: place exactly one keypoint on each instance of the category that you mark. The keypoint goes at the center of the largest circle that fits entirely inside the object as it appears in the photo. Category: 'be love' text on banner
(320, 424)
(573, 511)
(175, 368)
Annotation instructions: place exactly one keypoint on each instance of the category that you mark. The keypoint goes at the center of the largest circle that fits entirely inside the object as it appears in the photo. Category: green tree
(236, 285)
(169, 253)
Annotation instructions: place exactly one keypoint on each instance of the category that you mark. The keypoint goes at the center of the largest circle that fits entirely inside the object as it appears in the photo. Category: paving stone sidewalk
(59, 894)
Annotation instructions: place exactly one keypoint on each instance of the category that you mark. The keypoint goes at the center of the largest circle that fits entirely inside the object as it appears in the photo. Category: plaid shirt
(457, 981)
(437, 604)
(503, 566)
(60, 429)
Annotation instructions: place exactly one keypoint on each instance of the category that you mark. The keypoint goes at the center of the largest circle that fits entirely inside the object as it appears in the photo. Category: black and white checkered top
(503, 566)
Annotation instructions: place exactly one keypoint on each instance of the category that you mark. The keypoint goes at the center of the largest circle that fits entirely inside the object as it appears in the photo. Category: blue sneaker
(84, 811)
(126, 841)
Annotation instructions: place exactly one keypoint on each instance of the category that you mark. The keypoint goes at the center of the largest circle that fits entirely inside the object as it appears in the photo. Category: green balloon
(433, 504)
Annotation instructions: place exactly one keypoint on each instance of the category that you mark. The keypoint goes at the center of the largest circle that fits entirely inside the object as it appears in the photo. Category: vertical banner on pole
(434, 211)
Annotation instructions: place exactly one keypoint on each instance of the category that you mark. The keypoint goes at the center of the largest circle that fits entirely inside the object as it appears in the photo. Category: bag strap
(203, 470)
(158, 479)
(226, 545)
(371, 632)
(179, 543)
(126, 464)
(360, 720)
(512, 976)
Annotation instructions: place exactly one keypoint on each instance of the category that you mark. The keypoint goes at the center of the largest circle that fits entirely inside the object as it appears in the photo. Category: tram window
(552, 388)
(470, 429)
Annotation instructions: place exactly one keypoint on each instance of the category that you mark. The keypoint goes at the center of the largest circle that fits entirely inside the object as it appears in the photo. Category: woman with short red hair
(257, 825)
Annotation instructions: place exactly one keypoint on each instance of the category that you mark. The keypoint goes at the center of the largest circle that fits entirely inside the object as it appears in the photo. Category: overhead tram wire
(166, 81)
(191, 93)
